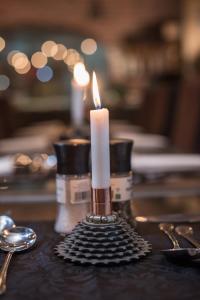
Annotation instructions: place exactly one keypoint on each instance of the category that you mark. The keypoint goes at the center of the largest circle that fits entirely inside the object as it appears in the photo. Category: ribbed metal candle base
(103, 240)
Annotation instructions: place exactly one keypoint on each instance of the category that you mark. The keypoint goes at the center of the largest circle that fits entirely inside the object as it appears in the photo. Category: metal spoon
(177, 252)
(15, 239)
(187, 233)
(6, 223)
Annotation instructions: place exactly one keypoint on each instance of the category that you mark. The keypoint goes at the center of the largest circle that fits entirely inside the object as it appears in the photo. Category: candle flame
(81, 76)
(95, 91)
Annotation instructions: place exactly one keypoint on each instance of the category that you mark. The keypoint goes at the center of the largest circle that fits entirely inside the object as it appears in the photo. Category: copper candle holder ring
(101, 202)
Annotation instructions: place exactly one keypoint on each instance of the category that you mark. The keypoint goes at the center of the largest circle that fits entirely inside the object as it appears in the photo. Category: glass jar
(73, 183)
(121, 176)
(122, 193)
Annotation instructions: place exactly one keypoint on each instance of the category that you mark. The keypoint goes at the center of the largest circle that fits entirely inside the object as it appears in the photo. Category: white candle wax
(77, 105)
(100, 149)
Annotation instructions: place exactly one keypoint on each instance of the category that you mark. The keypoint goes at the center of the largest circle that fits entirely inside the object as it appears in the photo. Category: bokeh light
(44, 74)
(89, 46)
(38, 60)
(60, 53)
(25, 70)
(4, 82)
(49, 48)
(72, 57)
(19, 60)
(81, 76)
(10, 56)
(2, 43)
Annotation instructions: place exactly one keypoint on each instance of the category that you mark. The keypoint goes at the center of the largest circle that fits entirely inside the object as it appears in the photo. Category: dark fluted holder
(103, 240)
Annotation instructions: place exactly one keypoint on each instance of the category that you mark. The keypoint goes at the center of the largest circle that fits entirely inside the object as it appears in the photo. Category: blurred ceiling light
(49, 48)
(89, 46)
(10, 56)
(81, 76)
(60, 53)
(45, 74)
(72, 57)
(19, 60)
(25, 70)
(4, 82)
(39, 60)
(2, 43)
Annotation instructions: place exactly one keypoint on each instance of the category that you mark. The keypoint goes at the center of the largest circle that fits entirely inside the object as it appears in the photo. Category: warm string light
(61, 52)
(49, 48)
(72, 57)
(38, 60)
(89, 46)
(2, 43)
(25, 70)
(95, 92)
(10, 56)
(20, 62)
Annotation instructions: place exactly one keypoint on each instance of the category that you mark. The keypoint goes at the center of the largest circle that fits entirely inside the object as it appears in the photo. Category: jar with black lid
(73, 183)
(121, 176)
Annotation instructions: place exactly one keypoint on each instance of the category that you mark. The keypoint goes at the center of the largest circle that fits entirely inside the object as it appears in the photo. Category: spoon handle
(172, 238)
(3, 273)
(191, 240)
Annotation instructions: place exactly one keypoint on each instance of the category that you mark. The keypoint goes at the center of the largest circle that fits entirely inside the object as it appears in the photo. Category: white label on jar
(122, 188)
(61, 190)
(80, 190)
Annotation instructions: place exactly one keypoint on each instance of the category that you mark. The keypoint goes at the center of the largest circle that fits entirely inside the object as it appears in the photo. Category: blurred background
(147, 57)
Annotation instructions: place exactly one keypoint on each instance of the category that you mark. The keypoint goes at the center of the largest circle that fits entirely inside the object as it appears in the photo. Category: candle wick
(98, 107)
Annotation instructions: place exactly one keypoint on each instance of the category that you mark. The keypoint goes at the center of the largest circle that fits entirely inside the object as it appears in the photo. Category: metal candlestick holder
(102, 238)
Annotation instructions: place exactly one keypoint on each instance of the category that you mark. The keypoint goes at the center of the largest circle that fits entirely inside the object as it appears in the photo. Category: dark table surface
(40, 274)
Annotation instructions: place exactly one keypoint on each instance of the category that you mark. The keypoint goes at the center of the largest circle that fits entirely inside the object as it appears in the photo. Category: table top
(40, 274)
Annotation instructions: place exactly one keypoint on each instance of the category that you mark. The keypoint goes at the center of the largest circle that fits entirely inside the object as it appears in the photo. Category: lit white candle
(79, 83)
(100, 149)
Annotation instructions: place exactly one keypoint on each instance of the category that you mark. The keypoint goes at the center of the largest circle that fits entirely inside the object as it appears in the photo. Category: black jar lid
(72, 156)
(120, 155)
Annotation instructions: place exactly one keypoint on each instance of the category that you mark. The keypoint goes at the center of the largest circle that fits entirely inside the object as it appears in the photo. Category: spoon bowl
(166, 227)
(184, 230)
(12, 240)
(17, 239)
(6, 223)
(187, 232)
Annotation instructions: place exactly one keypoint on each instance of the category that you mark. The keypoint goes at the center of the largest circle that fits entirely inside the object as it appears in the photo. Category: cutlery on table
(177, 252)
(14, 240)
(187, 232)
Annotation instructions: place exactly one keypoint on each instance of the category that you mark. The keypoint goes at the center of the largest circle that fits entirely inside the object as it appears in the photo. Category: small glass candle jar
(73, 183)
(121, 176)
